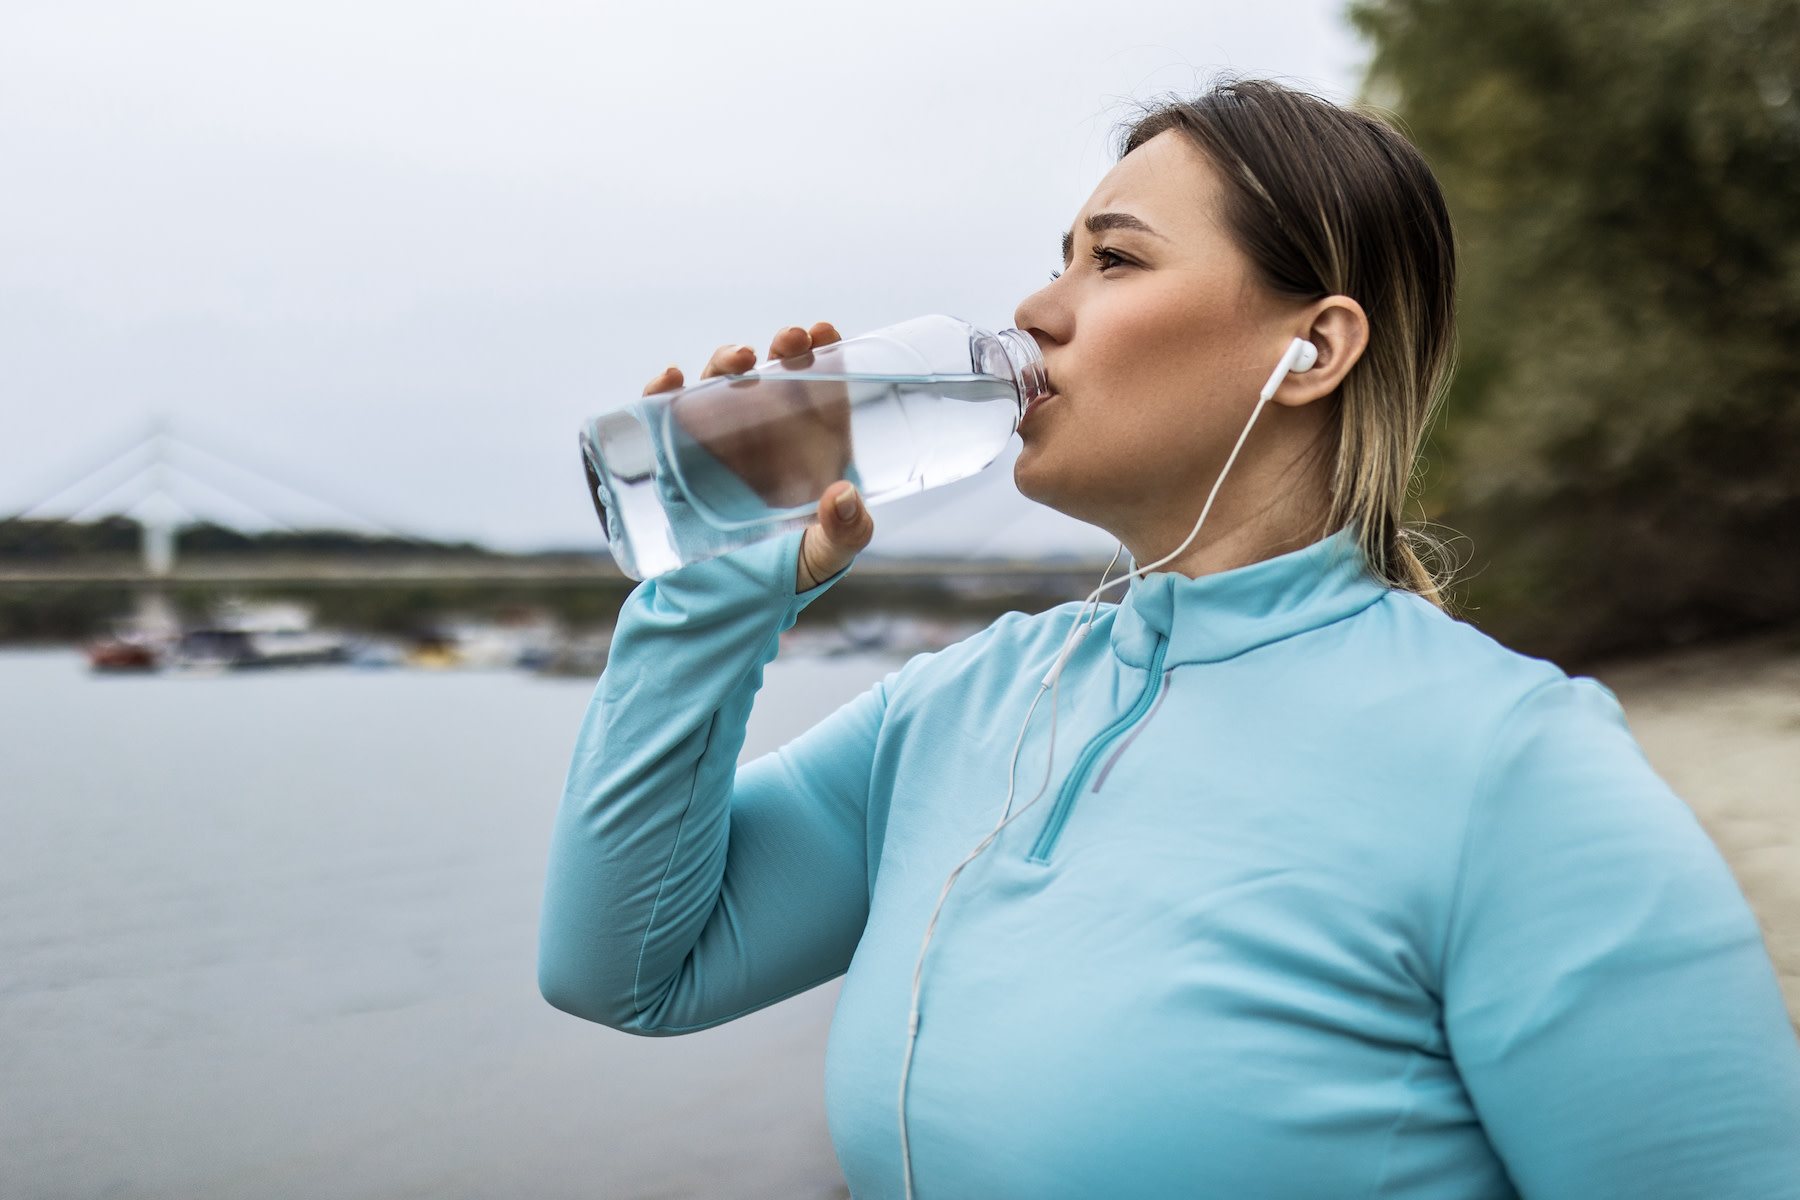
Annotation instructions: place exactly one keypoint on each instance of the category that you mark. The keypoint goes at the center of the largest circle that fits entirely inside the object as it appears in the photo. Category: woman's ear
(1339, 328)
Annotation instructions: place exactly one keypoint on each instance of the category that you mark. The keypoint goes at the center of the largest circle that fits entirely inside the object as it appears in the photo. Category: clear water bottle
(688, 475)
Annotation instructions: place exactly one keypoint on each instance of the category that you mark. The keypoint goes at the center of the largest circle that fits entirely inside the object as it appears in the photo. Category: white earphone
(1298, 358)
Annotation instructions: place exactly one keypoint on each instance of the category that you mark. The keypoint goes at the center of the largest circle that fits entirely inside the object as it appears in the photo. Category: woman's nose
(1044, 312)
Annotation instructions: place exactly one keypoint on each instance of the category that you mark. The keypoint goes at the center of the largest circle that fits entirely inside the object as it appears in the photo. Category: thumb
(844, 528)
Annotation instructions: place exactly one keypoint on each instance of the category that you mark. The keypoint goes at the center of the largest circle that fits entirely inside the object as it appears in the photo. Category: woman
(1326, 893)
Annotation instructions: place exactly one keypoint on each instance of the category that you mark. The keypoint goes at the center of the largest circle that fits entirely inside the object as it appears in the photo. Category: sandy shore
(1723, 727)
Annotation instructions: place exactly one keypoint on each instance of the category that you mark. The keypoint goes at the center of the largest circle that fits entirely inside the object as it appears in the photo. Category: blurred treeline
(1621, 445)
(25, 540)
(36, 605)
(49, 611)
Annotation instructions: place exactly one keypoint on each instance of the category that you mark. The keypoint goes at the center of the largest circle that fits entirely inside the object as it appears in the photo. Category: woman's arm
(1607, 996)
(682, 891)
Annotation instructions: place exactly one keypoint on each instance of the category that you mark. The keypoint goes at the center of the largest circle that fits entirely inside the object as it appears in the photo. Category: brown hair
(1329, 201)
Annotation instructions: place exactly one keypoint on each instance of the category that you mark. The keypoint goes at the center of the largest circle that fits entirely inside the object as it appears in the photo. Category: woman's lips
(1037, 402)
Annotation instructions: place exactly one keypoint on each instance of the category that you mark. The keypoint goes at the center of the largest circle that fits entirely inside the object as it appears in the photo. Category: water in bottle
(691, 474)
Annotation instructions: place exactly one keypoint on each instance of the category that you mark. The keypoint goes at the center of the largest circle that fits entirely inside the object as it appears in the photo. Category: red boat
(116, 654)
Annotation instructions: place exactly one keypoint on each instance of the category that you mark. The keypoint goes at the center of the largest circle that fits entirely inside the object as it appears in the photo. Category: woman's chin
(1038, 479)
(1026, 475)
(1075, 490)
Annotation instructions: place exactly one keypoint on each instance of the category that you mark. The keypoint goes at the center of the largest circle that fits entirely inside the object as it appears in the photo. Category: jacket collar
(1216, 617)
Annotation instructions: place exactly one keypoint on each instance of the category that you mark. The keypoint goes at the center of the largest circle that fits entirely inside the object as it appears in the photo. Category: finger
(729, 360)
(844, 515)
(844, 529)
(791, 342)
(670, 380)
(823, 334)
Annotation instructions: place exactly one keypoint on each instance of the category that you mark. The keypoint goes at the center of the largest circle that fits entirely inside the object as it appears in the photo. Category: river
(272, 935)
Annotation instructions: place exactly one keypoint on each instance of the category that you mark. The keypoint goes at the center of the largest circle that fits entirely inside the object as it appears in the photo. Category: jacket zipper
(1071, 788)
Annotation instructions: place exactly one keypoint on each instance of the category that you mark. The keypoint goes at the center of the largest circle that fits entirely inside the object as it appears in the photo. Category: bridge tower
(165, 483)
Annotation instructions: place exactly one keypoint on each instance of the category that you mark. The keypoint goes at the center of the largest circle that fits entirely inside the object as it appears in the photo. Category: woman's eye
(1105, 259)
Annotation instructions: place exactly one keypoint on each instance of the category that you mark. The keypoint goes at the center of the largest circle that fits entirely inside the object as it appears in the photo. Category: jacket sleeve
(1607, 996)
(684, 891)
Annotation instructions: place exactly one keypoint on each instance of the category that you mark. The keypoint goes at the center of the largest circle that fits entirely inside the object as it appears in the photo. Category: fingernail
(744, 349)
(847, 503)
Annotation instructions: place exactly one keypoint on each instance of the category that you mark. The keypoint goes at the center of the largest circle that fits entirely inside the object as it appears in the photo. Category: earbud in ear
(1301, 355)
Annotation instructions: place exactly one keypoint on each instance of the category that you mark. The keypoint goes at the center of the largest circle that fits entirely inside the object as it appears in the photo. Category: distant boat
(245, 636)
(120, 654)
(525, 643)
(248, 648)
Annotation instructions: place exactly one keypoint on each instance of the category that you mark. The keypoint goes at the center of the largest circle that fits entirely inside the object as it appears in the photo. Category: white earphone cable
(1007, 816)
(1299, 357)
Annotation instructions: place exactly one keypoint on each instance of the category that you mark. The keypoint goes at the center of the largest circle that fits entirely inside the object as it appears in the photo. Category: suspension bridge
(167, 481)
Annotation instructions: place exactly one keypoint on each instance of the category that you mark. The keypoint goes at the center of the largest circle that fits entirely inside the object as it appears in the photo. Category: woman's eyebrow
(1100, 223)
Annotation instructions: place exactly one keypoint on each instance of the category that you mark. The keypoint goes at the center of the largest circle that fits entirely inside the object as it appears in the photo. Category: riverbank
(1722, 725)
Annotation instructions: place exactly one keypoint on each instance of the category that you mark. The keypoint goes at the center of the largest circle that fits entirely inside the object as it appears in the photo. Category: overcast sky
(393, 252)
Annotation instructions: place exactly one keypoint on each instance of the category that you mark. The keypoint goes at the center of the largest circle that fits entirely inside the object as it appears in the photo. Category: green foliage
(33, 541)
(60, 614)
(1622, 441)
(207, 539)
(43, 540)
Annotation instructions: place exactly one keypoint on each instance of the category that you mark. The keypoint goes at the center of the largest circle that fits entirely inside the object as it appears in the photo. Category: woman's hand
(844, 526)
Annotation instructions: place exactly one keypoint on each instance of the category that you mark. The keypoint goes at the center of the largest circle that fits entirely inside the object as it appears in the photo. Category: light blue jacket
(1330, 896)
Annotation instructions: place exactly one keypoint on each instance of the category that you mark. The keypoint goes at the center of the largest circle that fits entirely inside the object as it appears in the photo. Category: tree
(1621, 443)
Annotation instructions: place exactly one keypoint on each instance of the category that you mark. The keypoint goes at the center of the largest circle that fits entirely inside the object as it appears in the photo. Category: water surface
(273, 935)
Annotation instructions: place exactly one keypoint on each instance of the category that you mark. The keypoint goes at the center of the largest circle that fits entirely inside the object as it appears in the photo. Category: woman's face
(1157, 337)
